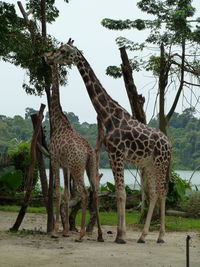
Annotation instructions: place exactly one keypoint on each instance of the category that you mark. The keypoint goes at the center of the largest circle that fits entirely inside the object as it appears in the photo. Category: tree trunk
(136, 100)
(136, 103)
(50, 217)
(43, 177)
(29, 182)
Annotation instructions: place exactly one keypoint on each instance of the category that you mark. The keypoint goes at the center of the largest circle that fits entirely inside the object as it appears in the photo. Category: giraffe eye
(62, 51)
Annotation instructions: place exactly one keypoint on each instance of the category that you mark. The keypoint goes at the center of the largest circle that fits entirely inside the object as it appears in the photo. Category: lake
(132, 176)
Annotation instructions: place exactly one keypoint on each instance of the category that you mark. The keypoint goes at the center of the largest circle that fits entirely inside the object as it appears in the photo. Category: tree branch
(193, 84)
(170, 113)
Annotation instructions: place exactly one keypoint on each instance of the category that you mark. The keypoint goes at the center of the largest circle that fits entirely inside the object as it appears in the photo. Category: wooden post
(29, 182)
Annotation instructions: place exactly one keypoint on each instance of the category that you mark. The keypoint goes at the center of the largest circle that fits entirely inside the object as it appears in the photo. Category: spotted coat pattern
(72, 152)
(126, 139)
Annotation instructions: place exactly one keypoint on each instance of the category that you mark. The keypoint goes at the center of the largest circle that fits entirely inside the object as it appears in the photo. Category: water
(132, 177)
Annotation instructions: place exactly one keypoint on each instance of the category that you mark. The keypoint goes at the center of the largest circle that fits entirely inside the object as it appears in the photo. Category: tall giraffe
(126, 139)
(72, 152)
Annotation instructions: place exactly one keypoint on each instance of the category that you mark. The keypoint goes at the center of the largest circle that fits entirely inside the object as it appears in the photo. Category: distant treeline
(184, 133)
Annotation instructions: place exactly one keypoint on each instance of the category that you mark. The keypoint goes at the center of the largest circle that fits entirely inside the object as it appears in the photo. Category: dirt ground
(33, 250)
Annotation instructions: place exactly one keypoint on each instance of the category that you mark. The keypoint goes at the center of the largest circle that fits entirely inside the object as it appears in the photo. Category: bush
(10, 181)
(192, 205)
(21, 161)
(108, 202)
(177, 190)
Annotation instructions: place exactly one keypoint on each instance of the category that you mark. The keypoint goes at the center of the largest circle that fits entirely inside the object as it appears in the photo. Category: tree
(172, 32)
(23, 44)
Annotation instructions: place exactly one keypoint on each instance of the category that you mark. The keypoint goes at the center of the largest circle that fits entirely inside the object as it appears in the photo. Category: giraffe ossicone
(126, 139)
(73, 153)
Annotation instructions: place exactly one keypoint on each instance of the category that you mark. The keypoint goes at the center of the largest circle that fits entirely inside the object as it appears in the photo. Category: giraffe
(125, 139)
(72, 152)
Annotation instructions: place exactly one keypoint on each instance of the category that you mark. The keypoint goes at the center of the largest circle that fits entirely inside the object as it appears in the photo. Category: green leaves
(10, 181)
(114, 71)
(177, 189)
(123, 24)
(51, 11)
(117, 24)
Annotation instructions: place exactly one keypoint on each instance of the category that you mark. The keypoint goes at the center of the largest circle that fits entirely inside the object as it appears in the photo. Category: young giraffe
(72, 152)
(126, 139)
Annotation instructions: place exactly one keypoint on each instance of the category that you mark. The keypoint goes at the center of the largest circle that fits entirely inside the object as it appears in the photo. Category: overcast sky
(80, 20)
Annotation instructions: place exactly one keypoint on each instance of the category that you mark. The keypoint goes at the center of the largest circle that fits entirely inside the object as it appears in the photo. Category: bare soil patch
(33, 250)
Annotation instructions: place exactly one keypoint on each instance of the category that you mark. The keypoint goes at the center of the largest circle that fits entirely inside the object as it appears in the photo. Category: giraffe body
(126, 139)
(72, 152)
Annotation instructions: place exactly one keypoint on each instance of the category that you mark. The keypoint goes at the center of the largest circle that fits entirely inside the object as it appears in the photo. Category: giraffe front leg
(162, 220)
(118, 172)
(148, 219)
(54, 233)
(121, 226)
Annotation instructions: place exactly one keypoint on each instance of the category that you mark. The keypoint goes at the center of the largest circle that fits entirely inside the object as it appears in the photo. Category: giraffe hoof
(141, 241)
(54, 236)
(73, 229)
(78, 240)
(120, 241)
(161, 241)
(89, 233)
(100, 239)
(65, 235)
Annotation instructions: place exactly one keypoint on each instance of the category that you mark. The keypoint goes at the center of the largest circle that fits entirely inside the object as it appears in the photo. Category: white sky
(80, 20)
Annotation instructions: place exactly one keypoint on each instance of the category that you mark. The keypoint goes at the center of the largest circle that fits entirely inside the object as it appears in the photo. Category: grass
(17, 208)
(173, 223)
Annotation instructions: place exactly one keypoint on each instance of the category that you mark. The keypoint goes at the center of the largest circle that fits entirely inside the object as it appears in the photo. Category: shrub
(10, 181)
(21, 161)
(177, 190)
(108, 201)
(192, 205)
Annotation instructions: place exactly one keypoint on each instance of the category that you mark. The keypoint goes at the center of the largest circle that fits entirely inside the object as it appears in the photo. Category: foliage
(108, 202)
(173, 28)
(192, 205)
(10, 182)
(23, 45)
(114, 71)
(21, 161)
(177, 190)
(184, 133)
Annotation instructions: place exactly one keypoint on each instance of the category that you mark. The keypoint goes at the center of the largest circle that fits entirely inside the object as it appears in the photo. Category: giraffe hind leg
(118, 172)
(148, 219)
(66, 203)
(92, 176)
(84, 198)
(162, 219)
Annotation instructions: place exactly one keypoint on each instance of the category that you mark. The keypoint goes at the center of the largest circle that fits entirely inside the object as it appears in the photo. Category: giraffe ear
(70, 41)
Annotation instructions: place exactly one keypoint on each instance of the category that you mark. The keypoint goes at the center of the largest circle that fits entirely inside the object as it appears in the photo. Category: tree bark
(136, 102)
(41, 164)
(29, 182)
(50, 215)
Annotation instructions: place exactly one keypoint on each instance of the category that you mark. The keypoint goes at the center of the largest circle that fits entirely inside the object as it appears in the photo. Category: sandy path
(33, 250)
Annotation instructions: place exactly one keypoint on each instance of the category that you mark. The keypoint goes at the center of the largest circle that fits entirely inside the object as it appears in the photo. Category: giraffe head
(67, 54)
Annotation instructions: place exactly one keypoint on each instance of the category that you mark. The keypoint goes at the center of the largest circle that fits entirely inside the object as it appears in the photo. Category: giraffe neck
(57, 116)
(108, 110)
